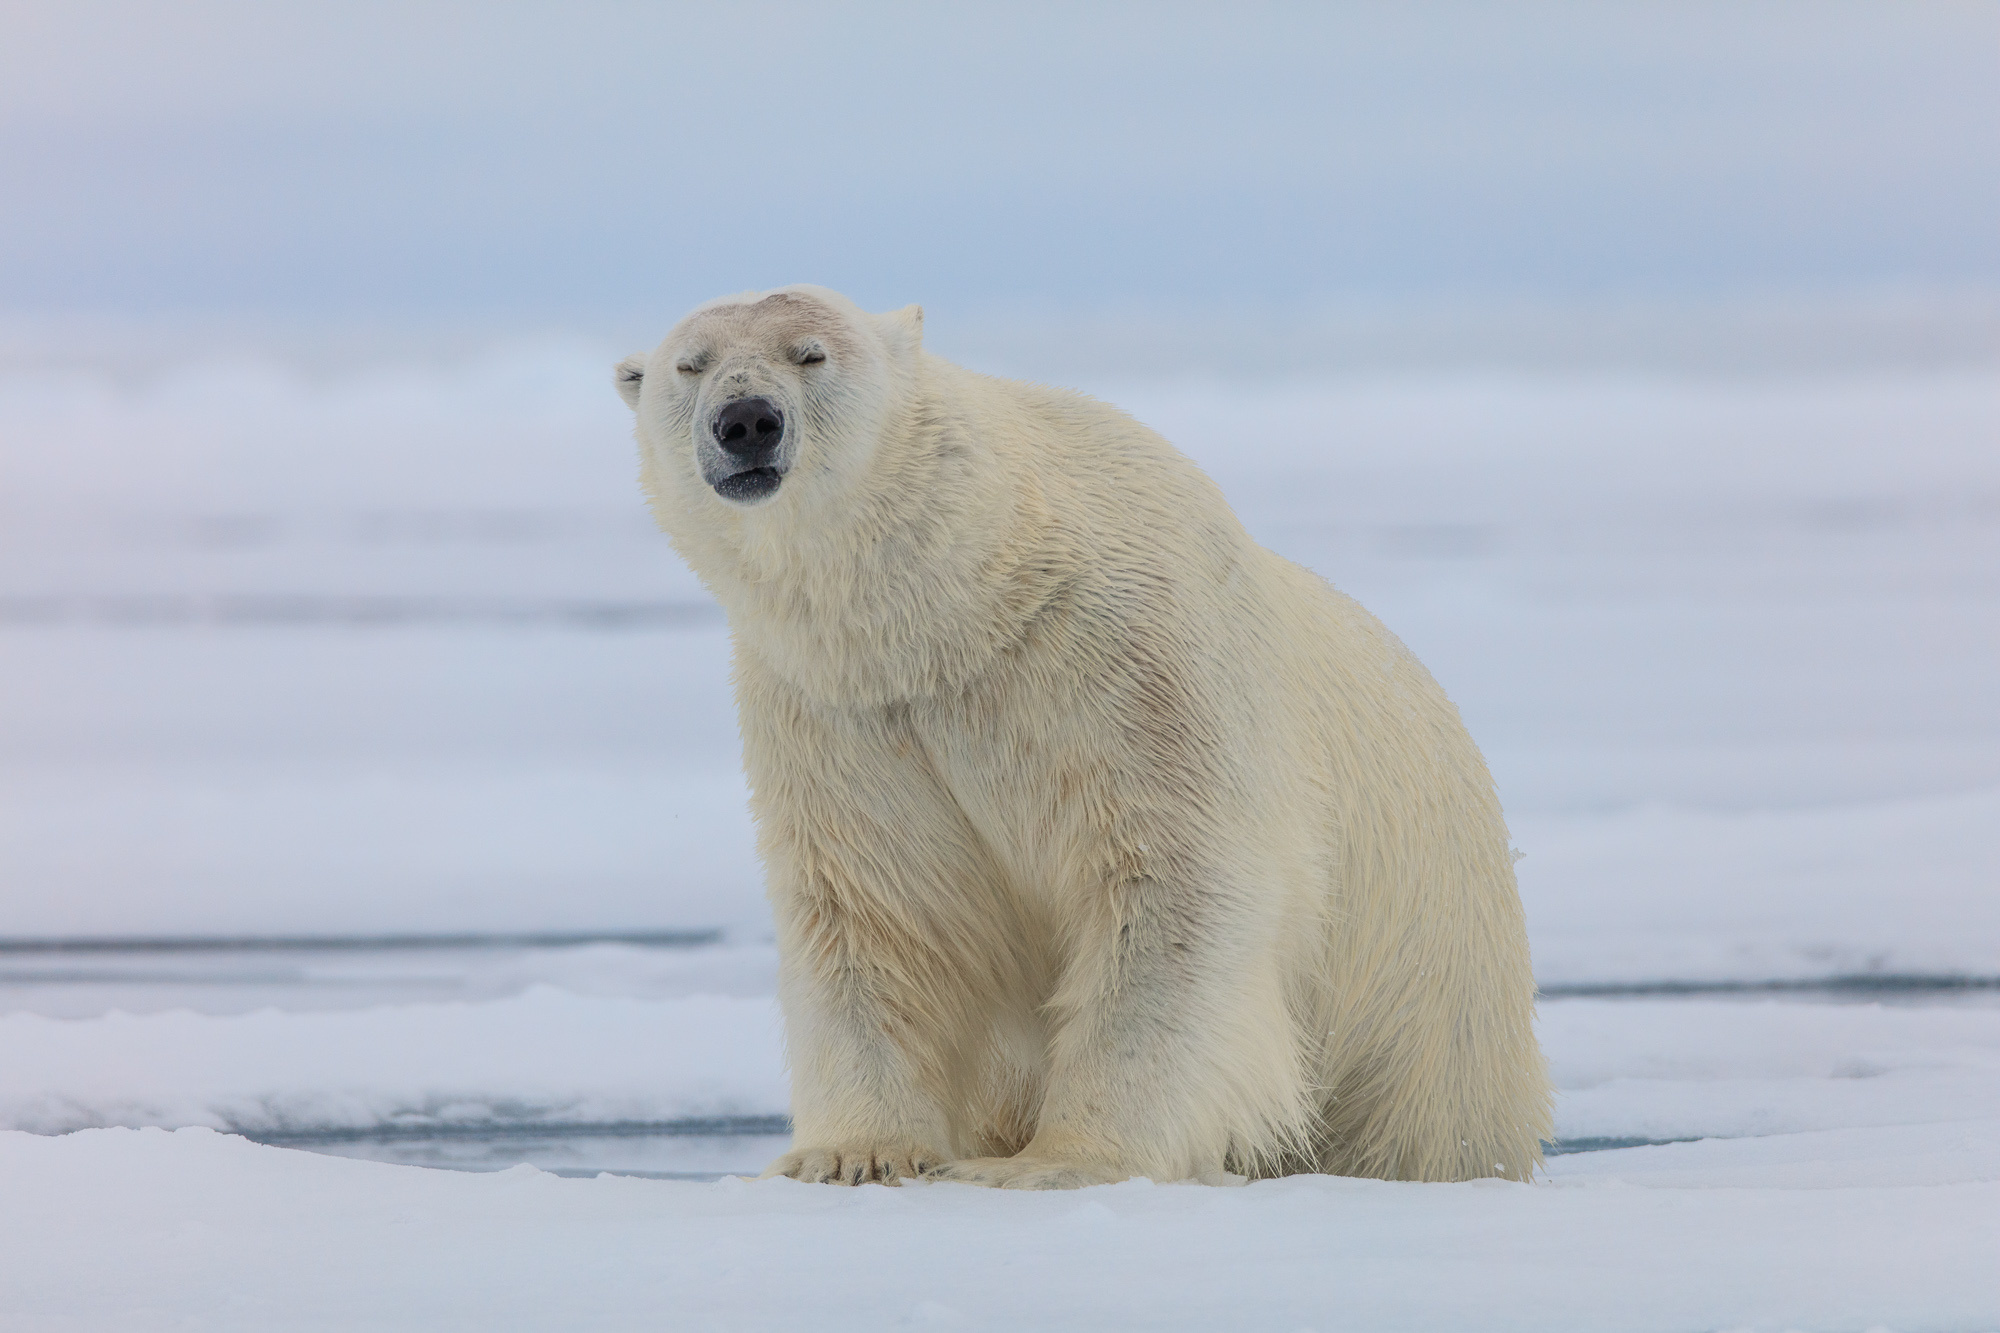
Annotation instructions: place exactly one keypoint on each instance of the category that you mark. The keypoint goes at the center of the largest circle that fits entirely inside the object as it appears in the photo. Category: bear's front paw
(854, 1164)
(1027, 1173)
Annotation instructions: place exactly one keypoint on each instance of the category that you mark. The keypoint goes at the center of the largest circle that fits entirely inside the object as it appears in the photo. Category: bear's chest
(1044, 773)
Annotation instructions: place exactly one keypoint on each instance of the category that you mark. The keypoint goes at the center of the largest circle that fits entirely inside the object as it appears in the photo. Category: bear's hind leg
(1443, 1110)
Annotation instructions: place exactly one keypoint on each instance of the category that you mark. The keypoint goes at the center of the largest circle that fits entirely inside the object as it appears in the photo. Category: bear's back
(1124, 497)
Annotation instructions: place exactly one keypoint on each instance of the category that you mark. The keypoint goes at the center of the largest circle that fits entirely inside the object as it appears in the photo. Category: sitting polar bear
(1101, 841)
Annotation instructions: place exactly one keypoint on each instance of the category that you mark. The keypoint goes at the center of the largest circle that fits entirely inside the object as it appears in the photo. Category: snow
(122, 1228)
(361, 650)
(545, 1055)
(1654, 893)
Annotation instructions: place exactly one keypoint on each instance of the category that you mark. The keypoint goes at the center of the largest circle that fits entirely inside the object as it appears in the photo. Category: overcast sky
(556, 160)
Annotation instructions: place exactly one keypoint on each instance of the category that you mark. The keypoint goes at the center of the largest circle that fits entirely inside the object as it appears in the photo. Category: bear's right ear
(904, 328)
(629, 375)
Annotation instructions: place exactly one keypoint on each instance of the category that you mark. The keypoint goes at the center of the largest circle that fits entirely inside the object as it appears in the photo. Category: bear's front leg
(860, 1109)
(1173, 1055)
(869, 870)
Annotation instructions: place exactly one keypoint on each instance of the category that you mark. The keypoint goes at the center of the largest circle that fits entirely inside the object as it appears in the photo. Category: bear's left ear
(905, 328)
(629, 375)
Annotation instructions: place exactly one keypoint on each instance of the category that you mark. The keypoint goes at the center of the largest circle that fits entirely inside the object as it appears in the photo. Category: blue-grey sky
(567, 159)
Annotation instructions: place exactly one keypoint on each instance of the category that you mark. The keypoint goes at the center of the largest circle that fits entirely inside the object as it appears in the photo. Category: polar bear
(1101, 841)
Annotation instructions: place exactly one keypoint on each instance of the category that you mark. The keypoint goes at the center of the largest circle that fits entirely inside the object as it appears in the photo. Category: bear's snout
(749, 431)
(749, 427)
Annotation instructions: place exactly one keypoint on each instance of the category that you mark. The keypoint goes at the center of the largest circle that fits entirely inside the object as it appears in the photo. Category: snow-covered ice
(546, 1055)
(373, 651)
(123, 1228)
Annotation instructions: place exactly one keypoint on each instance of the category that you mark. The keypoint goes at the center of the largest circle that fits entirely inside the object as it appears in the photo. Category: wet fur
(1100, 840)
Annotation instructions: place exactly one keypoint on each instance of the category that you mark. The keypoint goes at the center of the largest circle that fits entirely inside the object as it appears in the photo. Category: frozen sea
(370, 802)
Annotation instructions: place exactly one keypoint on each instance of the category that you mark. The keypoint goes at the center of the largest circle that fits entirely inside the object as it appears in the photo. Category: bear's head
(766, 395)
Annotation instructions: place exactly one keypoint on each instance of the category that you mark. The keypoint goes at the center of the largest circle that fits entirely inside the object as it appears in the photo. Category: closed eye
(689, 368)
(811, 356)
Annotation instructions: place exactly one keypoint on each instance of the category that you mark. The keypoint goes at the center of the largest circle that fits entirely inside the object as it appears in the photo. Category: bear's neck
(925, 579)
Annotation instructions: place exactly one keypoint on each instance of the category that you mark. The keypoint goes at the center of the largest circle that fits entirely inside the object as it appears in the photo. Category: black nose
(749, 426)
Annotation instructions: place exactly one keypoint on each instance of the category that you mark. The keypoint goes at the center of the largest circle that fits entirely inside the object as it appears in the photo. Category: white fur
(1101, 841)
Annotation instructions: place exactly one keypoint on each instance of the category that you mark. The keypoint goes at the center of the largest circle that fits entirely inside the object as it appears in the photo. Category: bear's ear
(629, 375)
(905, 328)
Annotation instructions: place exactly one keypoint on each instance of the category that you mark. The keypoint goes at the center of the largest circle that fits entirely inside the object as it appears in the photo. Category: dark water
(659, 1153)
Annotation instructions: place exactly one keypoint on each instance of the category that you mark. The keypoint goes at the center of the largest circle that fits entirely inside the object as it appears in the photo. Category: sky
(439, 159)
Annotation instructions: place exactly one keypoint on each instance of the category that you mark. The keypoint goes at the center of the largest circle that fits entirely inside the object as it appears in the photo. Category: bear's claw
(856, 1165)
